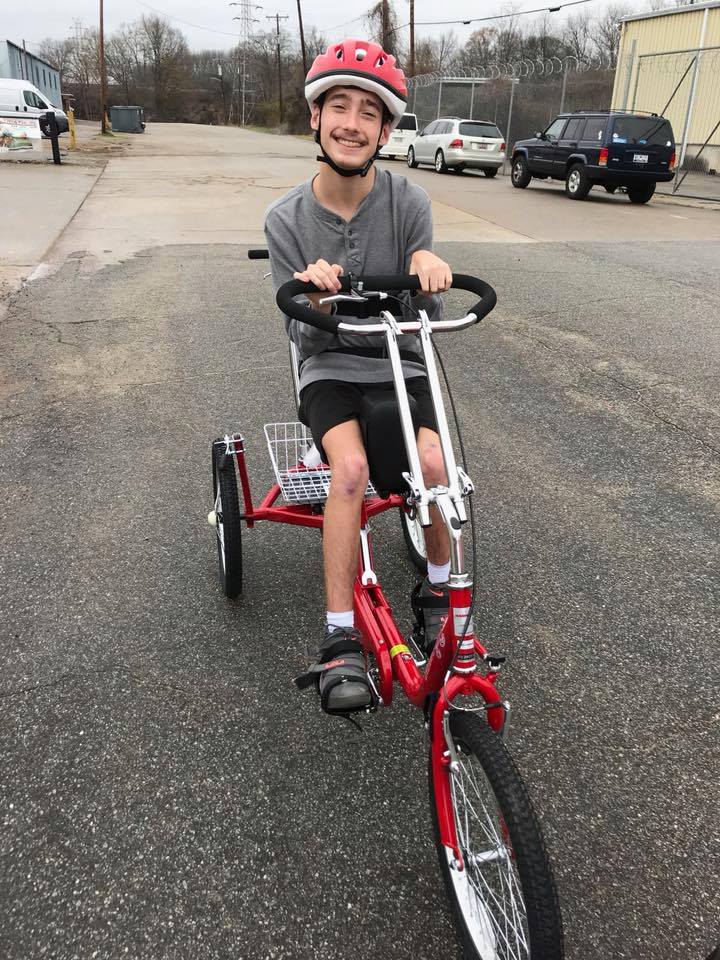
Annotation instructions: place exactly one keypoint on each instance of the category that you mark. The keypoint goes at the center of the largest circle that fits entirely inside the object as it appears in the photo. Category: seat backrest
(384, 442)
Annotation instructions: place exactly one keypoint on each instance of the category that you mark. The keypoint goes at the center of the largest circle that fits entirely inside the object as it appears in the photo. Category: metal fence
(524, 97)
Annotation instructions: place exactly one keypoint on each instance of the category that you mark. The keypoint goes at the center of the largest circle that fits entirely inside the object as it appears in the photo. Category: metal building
(18, 64)
(669, 63)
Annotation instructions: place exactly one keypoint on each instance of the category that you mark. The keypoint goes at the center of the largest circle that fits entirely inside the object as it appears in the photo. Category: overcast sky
(33, 20)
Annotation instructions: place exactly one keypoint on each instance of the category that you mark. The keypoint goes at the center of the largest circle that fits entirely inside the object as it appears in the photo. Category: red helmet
(359, 63)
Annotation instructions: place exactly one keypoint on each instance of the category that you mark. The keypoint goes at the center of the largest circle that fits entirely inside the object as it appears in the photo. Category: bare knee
(349, 475)
(433, 466)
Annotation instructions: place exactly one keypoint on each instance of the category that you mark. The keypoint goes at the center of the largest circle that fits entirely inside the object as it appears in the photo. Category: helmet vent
(380, 61)
(360, 54)
(339, 53)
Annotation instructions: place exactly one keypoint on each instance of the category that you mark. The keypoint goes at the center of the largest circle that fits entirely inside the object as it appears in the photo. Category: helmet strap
(344, 171)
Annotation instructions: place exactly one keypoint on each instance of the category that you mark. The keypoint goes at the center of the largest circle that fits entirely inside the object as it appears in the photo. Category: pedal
(417, 654)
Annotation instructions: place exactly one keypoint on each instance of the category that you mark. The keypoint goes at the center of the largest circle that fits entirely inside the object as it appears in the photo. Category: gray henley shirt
(391, 223)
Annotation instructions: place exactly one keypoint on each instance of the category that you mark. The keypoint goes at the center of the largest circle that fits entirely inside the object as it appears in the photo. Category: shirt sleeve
(286, 258)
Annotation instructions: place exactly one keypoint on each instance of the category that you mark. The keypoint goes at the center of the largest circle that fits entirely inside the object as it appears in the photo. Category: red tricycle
(490, 847)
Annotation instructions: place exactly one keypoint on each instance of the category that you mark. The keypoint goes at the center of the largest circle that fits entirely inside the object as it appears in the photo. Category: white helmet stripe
(394, 103)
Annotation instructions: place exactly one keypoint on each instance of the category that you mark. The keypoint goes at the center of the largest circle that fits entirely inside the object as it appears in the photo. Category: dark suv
(614, 149)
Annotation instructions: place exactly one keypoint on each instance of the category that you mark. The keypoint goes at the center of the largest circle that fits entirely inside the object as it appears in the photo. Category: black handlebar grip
(394, 282)
(258, 254)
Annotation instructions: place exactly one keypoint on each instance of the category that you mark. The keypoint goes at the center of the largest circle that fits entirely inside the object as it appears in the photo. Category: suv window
(594, 129)
(573, 129)
(408, 122)
(471, 128)
(445, 127)
(555, 128)
(642, 130)
(430, 129)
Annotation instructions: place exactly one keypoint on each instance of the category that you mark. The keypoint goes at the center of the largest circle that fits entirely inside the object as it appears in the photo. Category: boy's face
(352, 125)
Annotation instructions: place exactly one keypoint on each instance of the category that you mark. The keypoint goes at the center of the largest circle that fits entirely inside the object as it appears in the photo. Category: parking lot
(167, 792)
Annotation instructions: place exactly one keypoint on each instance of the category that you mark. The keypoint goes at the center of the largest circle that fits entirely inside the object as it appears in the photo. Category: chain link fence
(522, 98)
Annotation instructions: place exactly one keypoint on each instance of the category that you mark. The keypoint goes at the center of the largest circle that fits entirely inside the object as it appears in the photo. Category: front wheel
(440, 165)
(504, 898)
(411, 161)
(641, 194)
(227, 521)
(414, 536)
(490, 171)
(520, 175)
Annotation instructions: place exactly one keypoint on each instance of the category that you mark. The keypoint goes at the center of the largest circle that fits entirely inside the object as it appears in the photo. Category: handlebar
(381, 284)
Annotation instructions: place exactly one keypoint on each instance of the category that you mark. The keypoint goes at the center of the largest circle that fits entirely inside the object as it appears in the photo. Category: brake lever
(337, 297)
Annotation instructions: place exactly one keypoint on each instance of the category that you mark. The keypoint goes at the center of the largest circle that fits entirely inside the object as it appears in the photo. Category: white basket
(289, 444)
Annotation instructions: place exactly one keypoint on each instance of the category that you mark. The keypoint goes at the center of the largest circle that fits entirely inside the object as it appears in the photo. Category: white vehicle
(23, 97)
(454, 144)
(401, 138)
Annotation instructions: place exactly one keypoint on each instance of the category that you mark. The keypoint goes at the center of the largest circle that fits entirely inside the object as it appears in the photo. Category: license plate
(640, 157)
(480, 146)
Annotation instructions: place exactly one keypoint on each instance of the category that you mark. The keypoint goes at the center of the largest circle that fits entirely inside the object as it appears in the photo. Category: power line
(187, 23)
(500, 16)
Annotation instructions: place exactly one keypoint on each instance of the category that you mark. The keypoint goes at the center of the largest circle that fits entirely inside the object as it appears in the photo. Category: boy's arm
(434, 273)
(286, 259)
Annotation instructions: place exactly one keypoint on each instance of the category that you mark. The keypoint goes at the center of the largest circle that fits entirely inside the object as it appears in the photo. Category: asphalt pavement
(167, 793)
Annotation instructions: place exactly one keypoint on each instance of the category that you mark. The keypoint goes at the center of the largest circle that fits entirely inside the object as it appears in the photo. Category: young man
(353, 217)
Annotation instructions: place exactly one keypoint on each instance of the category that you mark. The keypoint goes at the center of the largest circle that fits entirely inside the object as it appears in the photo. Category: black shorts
(326, 403)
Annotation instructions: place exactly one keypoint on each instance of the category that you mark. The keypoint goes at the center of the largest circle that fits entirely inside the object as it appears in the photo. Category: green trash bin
(127, 119)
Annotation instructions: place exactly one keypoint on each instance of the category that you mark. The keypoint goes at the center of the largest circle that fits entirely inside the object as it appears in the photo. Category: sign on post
(19, 135)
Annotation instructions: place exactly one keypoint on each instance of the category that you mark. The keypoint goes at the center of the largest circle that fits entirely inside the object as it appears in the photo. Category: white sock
(344, 619)
(438, 572)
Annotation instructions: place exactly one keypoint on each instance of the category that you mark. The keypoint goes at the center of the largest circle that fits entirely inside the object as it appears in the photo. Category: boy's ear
(385, 133)
(315, 117)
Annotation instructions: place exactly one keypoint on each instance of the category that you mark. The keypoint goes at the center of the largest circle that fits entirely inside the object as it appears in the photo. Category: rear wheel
(411, 161)
(577, 182)
(520, 172)
(504, 899)
(414, 536)
(490, 171)
(227, 521)
(641, 194)
(440, 165)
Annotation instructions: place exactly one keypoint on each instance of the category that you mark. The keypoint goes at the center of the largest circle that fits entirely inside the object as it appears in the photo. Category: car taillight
(602, 162)
(672, 161)
(502, 147)
(456, 144)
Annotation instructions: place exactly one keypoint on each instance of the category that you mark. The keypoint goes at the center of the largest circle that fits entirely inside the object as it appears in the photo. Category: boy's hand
(323, 275)
(435, 275)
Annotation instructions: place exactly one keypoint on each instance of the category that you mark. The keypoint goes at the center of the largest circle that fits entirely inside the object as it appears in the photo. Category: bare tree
(166, 52)
(57, 53)
(123, 58)
(437, 54)
(606, 32)
(576, 35)
(382, 26)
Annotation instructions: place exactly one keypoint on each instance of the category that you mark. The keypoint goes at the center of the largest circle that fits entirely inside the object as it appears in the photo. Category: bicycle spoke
(495, 896)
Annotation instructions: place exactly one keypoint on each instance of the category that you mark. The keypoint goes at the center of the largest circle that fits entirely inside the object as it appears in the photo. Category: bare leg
(341, 527)
(437, 544)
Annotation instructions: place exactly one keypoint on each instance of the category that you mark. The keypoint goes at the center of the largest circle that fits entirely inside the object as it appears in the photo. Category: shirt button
(352, 244)
(338, 222)
(350, 233)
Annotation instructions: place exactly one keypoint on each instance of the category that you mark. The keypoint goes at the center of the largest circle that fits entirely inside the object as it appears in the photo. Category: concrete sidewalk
(37, 202)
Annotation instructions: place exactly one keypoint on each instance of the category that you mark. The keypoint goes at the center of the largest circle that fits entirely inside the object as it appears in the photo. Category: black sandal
(340, 675)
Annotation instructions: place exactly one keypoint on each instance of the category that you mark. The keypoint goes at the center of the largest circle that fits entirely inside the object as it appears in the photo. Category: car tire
(411, 161)
(577, 182)
(490, 171)
(440, 165)
(520, 175)
(610, 187)
(642, 193)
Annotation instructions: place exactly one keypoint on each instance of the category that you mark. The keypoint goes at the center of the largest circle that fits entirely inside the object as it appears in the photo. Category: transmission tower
(246, 20)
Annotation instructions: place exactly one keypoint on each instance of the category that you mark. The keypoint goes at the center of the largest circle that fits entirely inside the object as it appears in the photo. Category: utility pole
(302, 39)
(412, 38)
(277, 18)
(103, 74)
